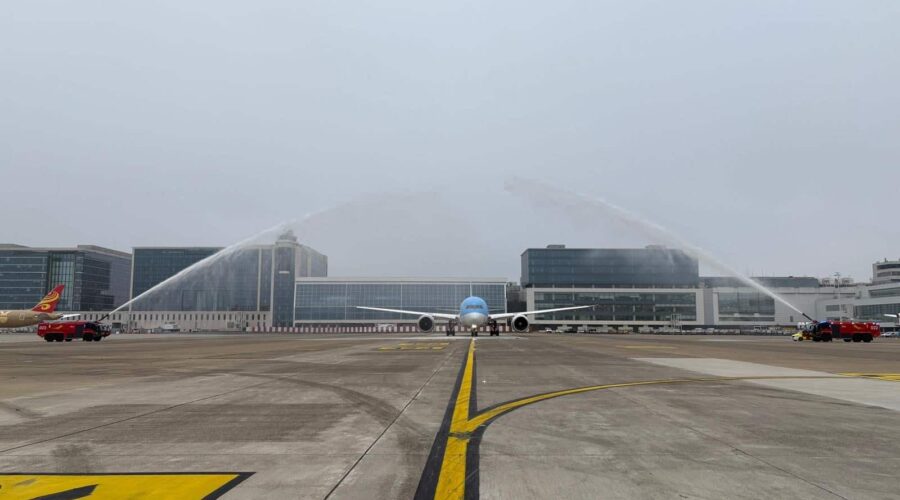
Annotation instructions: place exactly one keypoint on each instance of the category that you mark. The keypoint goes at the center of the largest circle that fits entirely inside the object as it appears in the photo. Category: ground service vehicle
(59, 331)
(826, 331)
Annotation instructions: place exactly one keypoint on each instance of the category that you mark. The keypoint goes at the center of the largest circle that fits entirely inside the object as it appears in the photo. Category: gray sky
(766, 131)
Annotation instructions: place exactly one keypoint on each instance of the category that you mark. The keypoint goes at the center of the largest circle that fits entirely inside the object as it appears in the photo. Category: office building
(656, 287)
(650, 267)
(95, 278)
(240, 288)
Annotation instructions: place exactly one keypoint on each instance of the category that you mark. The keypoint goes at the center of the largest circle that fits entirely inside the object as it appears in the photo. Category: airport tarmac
(427, 416)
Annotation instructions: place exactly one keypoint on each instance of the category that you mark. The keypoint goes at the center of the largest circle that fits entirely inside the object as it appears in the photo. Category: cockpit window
(473, 306)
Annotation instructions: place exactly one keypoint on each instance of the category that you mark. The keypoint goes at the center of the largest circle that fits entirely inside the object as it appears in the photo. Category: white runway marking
(865, 391)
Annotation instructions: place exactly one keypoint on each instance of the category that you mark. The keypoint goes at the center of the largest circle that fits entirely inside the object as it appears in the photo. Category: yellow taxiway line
(892, 377)
(457, 465)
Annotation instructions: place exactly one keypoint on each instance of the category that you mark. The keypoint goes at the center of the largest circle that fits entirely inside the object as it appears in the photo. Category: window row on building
(95, 278)
(337, 299)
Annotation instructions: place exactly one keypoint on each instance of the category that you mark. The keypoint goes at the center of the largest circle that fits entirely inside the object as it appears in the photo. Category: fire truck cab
(59, 331)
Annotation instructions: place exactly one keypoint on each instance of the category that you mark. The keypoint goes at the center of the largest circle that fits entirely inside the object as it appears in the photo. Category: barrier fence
(361, 329)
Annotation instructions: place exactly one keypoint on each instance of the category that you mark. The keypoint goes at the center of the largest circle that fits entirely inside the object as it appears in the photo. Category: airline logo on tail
(48, 303)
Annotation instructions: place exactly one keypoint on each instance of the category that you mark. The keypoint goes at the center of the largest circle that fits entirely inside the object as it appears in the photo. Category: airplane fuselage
(18, 319)
(473, 313)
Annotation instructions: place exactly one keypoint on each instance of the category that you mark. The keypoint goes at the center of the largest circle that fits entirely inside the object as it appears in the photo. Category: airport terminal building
(247, 288)
(657, 288)
(286, 285)
(96, 278)
(334, 301)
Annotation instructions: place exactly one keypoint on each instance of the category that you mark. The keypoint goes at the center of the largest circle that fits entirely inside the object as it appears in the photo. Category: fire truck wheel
(68, 340)
(87, 338)
(59, 337)
(98, 338)
(856, 338)
(48, 338)
(867, 338)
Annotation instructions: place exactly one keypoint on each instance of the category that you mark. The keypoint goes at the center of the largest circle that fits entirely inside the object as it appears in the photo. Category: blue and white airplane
(473, 314)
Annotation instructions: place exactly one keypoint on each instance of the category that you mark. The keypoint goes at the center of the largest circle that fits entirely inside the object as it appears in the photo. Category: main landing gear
(451, 329)
(495, 328)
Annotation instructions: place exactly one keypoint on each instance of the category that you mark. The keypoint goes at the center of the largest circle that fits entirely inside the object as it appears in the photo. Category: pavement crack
(391, 424)
(133, 417)
(734, 448)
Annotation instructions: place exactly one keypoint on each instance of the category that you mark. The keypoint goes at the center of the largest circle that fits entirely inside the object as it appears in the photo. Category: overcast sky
(767, 132)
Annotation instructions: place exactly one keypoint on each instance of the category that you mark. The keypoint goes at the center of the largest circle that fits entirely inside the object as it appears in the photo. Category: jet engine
(425, 324)
(519, 323)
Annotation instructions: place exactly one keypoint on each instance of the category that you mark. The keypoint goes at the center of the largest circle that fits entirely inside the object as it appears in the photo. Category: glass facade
(104, 281)
(885, 292)
(617, 306)
(95, 279)
(766, 281)
(154, 265)
(324, 301)
(746, 305)
(876, 312)
(265, 281)
(23, 278)
(62, 272)
(259, 278)
(605, 268)
(283, 280)
(231, 283)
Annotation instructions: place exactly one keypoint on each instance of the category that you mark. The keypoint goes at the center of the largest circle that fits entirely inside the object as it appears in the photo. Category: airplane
(473, 314)
(43, 311)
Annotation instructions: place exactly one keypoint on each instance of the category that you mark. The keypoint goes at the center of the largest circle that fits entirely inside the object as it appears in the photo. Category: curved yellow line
(451, 482)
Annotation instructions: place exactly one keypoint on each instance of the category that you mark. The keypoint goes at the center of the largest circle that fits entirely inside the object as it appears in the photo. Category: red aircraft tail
(48, 303)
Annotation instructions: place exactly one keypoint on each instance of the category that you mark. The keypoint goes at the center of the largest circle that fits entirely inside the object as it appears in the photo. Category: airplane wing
(400, 311)
(542, 311)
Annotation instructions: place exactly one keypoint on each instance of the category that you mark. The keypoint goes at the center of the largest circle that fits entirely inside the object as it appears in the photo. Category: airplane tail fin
(48, 303)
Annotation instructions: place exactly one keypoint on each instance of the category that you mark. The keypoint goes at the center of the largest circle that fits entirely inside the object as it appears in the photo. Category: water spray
(300, 226)
(221, 254)
(588, 207)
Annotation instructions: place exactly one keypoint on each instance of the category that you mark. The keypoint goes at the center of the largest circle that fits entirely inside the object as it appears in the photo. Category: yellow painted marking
(646, 347)
(452, 479)
(416, 346)
(893, 377)
(112, 486)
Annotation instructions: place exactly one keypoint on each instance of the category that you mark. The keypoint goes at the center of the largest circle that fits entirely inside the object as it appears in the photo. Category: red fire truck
(826, 331)
(67, 330)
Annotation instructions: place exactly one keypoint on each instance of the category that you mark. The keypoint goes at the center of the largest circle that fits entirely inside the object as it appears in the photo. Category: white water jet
(222, 254)
(344, 216)
(589, 207)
